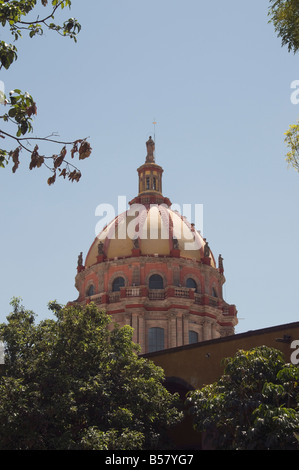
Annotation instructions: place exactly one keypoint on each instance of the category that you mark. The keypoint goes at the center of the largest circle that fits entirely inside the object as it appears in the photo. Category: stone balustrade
(162, 294)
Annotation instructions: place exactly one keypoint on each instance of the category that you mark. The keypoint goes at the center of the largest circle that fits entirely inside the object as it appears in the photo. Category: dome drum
(140, 294)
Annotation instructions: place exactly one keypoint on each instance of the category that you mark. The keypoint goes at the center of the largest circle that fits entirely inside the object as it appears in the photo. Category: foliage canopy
(21, 107)
(77, 383)
(292, 142)
(253, 406)
(284, 14)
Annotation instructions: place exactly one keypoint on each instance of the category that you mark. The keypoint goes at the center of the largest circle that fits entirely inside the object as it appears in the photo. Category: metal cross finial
(154, 122)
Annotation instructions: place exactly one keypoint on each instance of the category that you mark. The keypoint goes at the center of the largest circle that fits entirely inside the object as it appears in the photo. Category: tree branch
(19, 139)
(37, 160)
(41, 21)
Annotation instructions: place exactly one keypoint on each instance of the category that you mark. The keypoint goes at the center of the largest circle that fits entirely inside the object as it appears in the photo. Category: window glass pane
(117, 284)
(191, 284)
(90, 290)
(193, 337)
(155, 339)
(156, 282)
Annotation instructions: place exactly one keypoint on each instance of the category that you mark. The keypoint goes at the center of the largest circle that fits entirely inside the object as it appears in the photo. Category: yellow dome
(149, 227)
(152, 230)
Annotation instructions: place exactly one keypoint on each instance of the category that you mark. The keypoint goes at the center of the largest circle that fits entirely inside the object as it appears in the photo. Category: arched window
(147, 182)
(191, 284)
(193, 337)
(154, 184)
(156, 282)
(117, 284)
(90, 291)
(155, 339)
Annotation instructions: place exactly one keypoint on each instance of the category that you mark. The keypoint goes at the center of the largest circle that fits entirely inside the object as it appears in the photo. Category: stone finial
(206, 250)
(136, 242)
(220, 264)
(150, 145)
(80, 260)
(80, 266)
(100, 248)
(175, 243)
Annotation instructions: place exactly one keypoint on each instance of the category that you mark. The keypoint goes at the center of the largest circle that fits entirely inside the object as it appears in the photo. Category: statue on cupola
(150, 145)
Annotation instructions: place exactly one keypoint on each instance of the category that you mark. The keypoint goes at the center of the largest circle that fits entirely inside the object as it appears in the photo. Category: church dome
(150, 268)
(149, 227)
(148, 230)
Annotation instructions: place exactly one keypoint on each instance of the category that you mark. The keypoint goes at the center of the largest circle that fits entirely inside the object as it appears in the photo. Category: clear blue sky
(217, 81)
